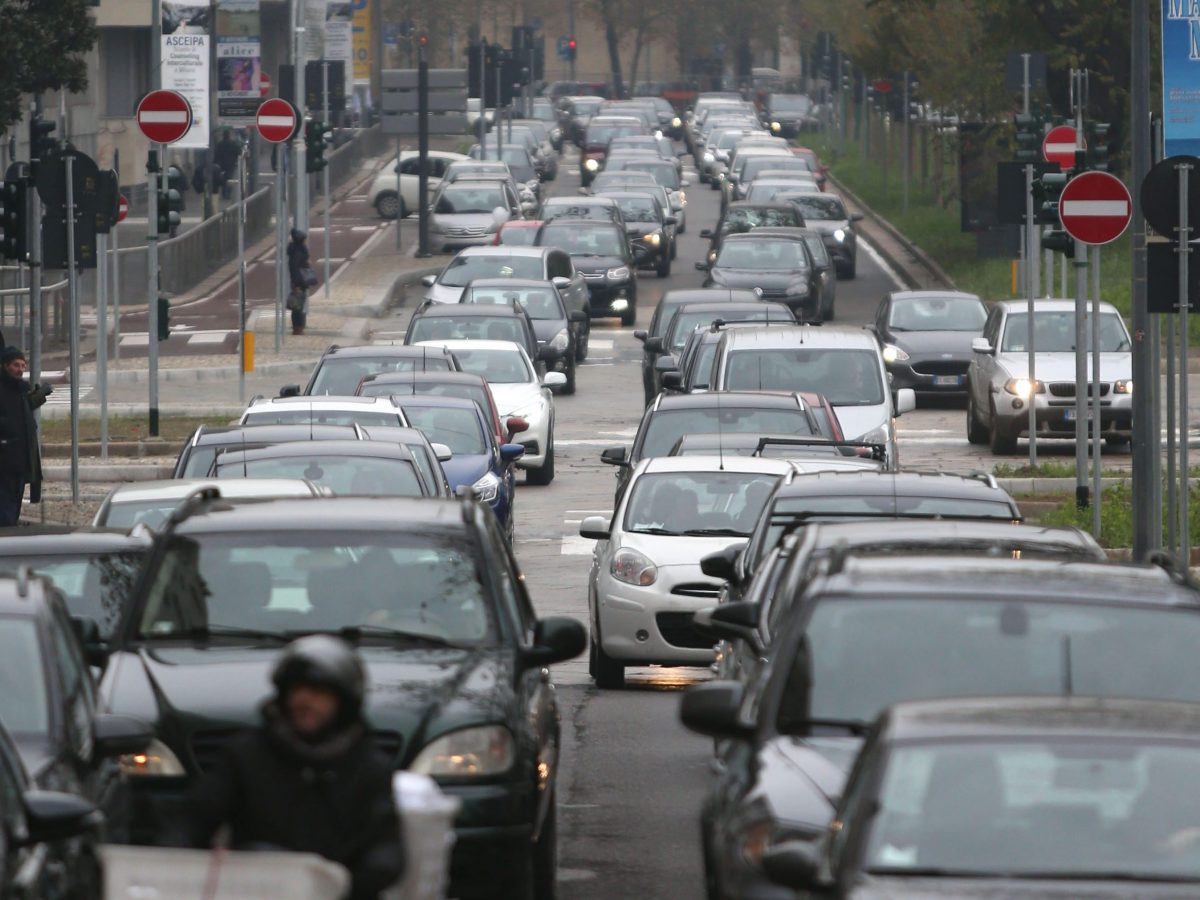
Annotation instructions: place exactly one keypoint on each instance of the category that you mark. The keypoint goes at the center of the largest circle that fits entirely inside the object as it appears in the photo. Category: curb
(92, 410)
(105, 473)
(1051, 486)
(211, 373)
(378, 302)
(118, 449)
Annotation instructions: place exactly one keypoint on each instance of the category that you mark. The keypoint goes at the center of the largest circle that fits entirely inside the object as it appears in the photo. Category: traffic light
(170, 205)
(571, 48)
(164, 318)
(1098, 144)
(1058, 241)
(41, 142)
(13, 203)
(1029, 138)
(1046, 191)
(317, 136)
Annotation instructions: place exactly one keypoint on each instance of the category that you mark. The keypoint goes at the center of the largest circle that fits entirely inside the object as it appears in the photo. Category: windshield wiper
(355, 634)
(931, 872)
(715, 532)
(655, 529)
(203, 633)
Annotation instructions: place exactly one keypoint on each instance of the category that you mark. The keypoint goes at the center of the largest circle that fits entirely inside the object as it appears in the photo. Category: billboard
(239, 61)
(1181, 77)
(362, 40)
(185, 51)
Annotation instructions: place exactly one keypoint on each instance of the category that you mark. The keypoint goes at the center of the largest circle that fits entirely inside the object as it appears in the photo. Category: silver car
(999, 390)
(468, 213)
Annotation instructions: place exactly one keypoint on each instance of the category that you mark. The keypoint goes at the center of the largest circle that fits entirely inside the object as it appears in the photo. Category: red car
(811, 155)
(518, 233)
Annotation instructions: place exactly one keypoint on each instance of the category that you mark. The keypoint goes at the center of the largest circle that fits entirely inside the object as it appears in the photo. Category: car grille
(941, 367)
(465, 230)
(705, 589)
(208, 746)
(1067, 389)
(531, 448)
(773, 292)
(593, 276)
(677, 630)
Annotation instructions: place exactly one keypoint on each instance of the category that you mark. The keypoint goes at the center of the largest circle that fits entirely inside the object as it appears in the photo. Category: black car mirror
(556, 639)
(577, 315)
(560, 282)
(52, 816)
(118, 735)
(706, 233)
(665, 363)
(545, 354)
(428, 280)
(614, 456)
(290, 390)
(736, 621)
(713, 709)
(792, 864)
(640, 335)
(654, 344)
(87, 631)
(856, 217)
(723, 564)
(670, 220)
(672, 381)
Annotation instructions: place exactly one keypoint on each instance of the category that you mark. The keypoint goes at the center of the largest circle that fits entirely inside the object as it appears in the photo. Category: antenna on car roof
(720, 433)
(242, 434)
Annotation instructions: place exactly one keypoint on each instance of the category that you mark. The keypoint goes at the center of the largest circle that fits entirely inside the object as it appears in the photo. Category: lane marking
(878, 259)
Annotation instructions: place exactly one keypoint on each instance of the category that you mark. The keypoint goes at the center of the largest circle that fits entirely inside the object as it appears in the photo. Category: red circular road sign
(164, 116)
(264, 84)
(1059, 147)
(882, 86)
(277, 121)
(1095, 207)
(122, 208)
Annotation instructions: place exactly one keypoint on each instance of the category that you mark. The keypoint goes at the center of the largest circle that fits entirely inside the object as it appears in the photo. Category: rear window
(458, 429)
(845, 377)
(341, 376)
(479, 328)
(365, 418)
(361, 476)
(669, 425)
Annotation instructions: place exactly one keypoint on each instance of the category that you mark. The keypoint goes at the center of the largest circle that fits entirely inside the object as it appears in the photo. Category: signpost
(1095, 208)
(278, 122)
(122, 208)
(1059, 146)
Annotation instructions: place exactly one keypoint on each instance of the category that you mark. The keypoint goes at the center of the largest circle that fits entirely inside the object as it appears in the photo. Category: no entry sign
(164, 116)
(1095, 207)
(1059, 147)
(122, 208)
(277, 121)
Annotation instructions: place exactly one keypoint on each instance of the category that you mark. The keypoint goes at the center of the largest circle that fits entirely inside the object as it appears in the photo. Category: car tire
(629, 316)
(663, 269)
(543, 474)
(1118, 442)
(674, 249)
(569, 387)
(826, 310)
(545, 855)
(387, 204)
(1001, 440)
(608, 674)
(852, 272)
(977, 434)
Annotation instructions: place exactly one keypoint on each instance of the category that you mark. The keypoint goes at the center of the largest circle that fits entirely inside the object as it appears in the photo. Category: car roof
(181, 488)
(373, 449)
(425, 377)
(495, 283)
(438, 401)
(704, 306)
(713, 294)
(270, 433)
(623, 195)
(321, 402)
(507, 250)
(69, 540)
(754, 204)
(790, 336)
(370, 514)
(948, 295)
(713, 463)
(471, 344)
(583, 223)
(466, 310)
(932, 533)
(392, 351)
(585, 199)
(1047, 305)
(739, 399)
(908, 483)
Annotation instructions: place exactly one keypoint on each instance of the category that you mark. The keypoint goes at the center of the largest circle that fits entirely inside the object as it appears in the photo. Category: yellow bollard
(247, 351)
(1014, 278)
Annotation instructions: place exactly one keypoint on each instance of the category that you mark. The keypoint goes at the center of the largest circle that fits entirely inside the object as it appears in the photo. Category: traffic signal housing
(1046, 191)
(317, 136)
(1058, 241)
(572, 46)
(1098, 146)
(170, 206)
(1029, 138)
(164, 318)
(42, 144)
(14, 199)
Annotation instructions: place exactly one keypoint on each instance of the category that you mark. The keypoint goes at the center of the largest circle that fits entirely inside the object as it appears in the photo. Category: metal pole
(1031, 282)
(1048, 261)
(325, 171)
(281, 282)
(116, 289)
(1096, 439)
(1171, 483)
(497, 120)
(152, 168)
(1185, 230)
(1081, 375)
(422, 154)
(298, 65)
(399, 196)
(73, 299)
(905, 153)
(241, 239)
(102, 337)
(35, 258)
(1156, 368)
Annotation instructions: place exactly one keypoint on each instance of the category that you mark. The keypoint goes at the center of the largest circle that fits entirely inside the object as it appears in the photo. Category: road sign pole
(281, 220)
(1081, 429)
(423, 154)
(35, 255)
(904, 155)
(241, 239)
(73, 301)
(115, 265)
(152, 284)
(1096, 438)
(298, 65)
(1185, 230)
(399, 197)
(1031, 277)
(325, 171)
(1172, 483)
(102, 337)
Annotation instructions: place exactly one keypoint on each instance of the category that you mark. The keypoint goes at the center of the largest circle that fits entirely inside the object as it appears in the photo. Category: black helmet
(321, 659)
(298, 235)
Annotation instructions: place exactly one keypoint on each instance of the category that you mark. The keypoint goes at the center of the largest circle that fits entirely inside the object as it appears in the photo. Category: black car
(199, 451)
(826, 214)
(868, 632)
(561, 336)
(745, 216)
(649, 229)
(780, 267)
(340, 369)
(49, 705)
(591, 209)
(429, 592)
(788, 114)
(926, 338)
(456, 321)
(348, 468)
(940, 803)
(601, 254)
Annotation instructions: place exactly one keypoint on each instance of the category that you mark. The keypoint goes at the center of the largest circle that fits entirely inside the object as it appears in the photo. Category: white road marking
(600, 344)
(209, 337)
(882, 263)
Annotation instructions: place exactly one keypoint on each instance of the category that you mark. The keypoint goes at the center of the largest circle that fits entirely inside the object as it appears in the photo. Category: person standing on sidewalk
(302, 277)
(20, 456)
(226, 154)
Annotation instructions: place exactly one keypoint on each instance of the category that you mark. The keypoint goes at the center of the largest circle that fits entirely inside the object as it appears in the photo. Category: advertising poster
(314, 29)
(362, 41)
(239, 61)
(185, 36)
(339, 35)
(1181, 76)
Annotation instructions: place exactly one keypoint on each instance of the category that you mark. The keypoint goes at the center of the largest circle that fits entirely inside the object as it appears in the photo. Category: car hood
(465, 469)
(465, 220)
(799, 780)
(637, 229)
(416, 693)
(443, 293)
(1061, 366)
(545, 329)
(515, 396)
(859, 420)
(589, 265)
(927, 343)
(827, 226)
(752, 278)
(666, 550)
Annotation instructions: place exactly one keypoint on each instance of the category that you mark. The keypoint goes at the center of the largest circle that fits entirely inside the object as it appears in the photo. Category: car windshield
(496, 366)
(602, 134)
(584, 241)
(304, 416)
(762, 255)
(469, 197)
(387, 583)
(743, 218)
(465, 269)
(24, 705)
(793, 103)
(517, 237)
(820, 207)
(538, 302)
(1112, 805)
(361, 476)
(467, 328)
(686, 321)
(95, 586)
(664, 173)
(845, 377)
(796, 164)
(637, 209)
(668, 425)
(774, 191)
(901, 649)
(585, 107)
(592, 212)
(622, 181)
(446, 389)
(937, 314)
(458, 429)
(466, 168)
(683, 502)
(1054, 332)
(340, 377)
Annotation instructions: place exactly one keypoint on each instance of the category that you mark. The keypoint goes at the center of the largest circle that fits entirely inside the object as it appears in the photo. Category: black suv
(649, 228)
(600, 252)
(340, 369)
(429, 592)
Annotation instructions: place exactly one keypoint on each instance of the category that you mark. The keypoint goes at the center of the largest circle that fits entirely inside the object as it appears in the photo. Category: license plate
(947, 380)
(1069, 414)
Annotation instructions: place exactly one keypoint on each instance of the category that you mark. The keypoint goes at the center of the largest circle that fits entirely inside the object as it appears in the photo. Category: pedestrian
(226, 154)
(310, 778)
(302, 277)
(20, 456)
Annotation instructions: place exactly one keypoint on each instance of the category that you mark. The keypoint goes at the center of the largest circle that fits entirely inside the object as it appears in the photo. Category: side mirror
(640, 335)
(428, 280)
(654, 345)
(792, 864)
(712, 709)
(561, 283)
(87, 630)
(670, 220)
(577, 315)
(614, 456)
(701, 267)
(556, 639)
(672, 381)
(290, 390)
(722, 565)
(706, 233)
(510, 453)
(554, 379)
(856, 217)
(981, 345)
(665, 363)
(442, 452)
(117, 735)
(515, 425)
(906, 401)
(595, 528)
(735, 622)
(53, 816)
(685, 183)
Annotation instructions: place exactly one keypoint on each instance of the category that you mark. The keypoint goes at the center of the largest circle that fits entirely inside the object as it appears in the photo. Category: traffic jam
(638, 447)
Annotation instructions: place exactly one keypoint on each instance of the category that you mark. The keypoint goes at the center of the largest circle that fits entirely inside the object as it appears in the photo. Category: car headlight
(682, 199)
(708, 157)
(156, 760)
(1024, 388)
(487, 488)
(1123, 387)
(618, 274)
(775, 126)
(633, 568)
(798, 289)
(654, 238)
(892, 353)
(839, 235)
(658, 133)
(591, 165)
(560, 341)
(880, 435)
(676, 122)
(534, 410)
(480, 752)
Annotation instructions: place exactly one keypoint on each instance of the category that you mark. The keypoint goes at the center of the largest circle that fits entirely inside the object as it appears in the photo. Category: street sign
(1095, 207)
(1059, 147)
(1160, 196)
(164, 116)
(51, 181)
(277, 121)
(564, 51)
(264, 84)
(122, 208)
(882, 86)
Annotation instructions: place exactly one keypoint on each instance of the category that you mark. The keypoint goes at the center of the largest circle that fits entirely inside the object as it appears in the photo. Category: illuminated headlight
(654, 238)
(480, 752)
(676, 122)
(892, 353)
(632, 567)
(486, 488)
(839, 235)
(1023, 387)
(156, 760)
(708, 157)
(591, 165)
(1123, 387)
(618, 274)
(658, 133)
(758, 291)
(775, 126)
(619, 305)
(682, 199)
(880, 435)
(560, 341)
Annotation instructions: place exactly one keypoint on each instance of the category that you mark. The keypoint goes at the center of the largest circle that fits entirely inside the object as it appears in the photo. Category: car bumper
(494, 827)
(458, 241)
(603, 295)
(647, 625)
(904, 375)
(1058, 418)
(842, 253)
(536, 442)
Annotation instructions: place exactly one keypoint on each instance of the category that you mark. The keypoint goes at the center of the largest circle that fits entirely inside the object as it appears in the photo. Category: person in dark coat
(298, 260)
(226, 155)
(309, 779)
(20, 455)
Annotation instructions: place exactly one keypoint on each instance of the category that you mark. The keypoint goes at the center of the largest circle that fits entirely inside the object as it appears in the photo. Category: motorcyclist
(309, 778)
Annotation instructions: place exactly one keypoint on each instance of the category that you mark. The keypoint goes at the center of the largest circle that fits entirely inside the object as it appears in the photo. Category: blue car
(478, 461)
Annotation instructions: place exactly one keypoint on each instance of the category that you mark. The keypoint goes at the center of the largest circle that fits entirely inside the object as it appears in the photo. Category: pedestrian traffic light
(170, 206)
(164, 318)
(1029, 138)
(13, 202)
(571, 47)
(1046, 191)
(1098, 146)
(1058, 241)
(317, 136)
(41, 142)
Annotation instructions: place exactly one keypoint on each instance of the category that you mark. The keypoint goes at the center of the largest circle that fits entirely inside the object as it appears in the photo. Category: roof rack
(878, 450)
(332, 347)
(195, 502)
(23, 574)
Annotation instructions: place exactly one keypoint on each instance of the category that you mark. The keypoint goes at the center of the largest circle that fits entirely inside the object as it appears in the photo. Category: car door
(983, 365)
(575, 296)
(410, 170)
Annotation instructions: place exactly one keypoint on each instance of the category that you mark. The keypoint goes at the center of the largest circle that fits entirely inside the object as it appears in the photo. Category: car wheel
(629, 316)
(674, 249)
(569, 387)
(388, 205)
(1001, 440)
(664, 266)
(581, 342)
(976, 433)
(852, 272)
(1118, 442)
(608, 674)
(545, 856)
(543, 474)
(826, 309)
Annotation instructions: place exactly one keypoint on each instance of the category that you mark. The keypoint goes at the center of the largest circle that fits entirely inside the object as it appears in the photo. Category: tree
(42, 48)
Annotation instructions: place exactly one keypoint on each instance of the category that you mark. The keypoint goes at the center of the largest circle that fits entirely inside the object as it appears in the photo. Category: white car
(998, 386)
(645, 582)
(323, 410)
(151, 502)
(519, 392)
(383, 188)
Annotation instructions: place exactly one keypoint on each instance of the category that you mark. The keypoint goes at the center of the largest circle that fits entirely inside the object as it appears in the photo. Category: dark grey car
(926, 338)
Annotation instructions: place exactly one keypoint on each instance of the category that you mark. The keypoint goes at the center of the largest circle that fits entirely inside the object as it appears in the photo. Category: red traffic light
(571, 44)
(423, 39)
